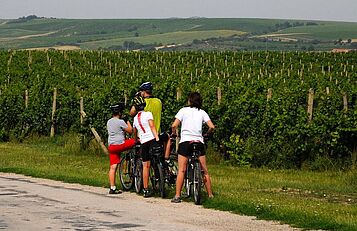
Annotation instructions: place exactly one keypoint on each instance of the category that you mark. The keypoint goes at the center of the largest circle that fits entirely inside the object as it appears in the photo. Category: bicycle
(128, 170)
(156, 176)
(161, 172)
(193, 177)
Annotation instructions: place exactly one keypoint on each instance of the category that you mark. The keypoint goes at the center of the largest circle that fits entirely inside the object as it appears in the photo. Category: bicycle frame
(193, 177)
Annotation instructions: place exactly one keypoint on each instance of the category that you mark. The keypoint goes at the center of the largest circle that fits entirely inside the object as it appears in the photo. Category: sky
(331, 10)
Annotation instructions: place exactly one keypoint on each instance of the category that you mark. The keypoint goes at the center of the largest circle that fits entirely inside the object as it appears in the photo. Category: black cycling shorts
(185, 148)
(145, 150)
(146, 147)
(164, 137)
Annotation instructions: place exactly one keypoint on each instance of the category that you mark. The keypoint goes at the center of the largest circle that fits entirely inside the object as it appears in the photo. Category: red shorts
(116, 149)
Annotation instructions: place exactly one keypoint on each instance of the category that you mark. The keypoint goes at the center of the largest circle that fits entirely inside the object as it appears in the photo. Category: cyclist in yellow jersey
(154, 106)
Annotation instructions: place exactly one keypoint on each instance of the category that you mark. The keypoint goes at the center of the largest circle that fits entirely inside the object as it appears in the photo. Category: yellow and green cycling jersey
(154, 106)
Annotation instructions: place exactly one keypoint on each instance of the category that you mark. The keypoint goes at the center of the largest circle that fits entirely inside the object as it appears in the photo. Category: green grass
(305, 199)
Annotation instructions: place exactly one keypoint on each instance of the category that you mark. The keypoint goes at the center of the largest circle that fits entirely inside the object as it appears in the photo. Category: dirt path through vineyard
(28, 203)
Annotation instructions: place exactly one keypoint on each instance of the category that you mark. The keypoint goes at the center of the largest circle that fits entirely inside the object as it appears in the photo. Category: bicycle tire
(197, 183)
(173, 171)
(138, 176)
(153, 181)
(125, 173)
(188, 181)
(161, 180)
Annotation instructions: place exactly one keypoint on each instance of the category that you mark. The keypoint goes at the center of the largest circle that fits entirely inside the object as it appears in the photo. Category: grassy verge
(324, 200)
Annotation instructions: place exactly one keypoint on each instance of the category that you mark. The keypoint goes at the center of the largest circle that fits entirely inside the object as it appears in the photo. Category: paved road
(37, 204)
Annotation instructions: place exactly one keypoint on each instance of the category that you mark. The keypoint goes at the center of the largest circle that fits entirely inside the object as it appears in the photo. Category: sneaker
(176, 200)
(146, 193)
(116, 191)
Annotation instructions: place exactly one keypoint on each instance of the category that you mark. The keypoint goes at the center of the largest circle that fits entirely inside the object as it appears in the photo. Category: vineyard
(274, 109)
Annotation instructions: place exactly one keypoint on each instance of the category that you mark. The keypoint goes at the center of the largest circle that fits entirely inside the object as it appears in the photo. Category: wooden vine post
(219, 95)
(310, 104)
(95, 133)
(178, 94)
(53, 112)
(345, 103)
(26, 98)
(270, 94)
(81, 109)
(178, 97)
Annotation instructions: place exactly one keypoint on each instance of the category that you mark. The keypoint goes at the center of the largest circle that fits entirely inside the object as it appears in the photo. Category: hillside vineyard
(271, 108)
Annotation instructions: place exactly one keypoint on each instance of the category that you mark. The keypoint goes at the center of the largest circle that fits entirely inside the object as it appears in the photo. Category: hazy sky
(336, 10)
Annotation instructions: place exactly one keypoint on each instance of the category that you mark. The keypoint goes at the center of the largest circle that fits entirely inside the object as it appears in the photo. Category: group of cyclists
(146, 110)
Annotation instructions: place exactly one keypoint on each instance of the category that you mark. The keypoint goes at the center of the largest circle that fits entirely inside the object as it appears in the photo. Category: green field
(107, 33)
(325, 31)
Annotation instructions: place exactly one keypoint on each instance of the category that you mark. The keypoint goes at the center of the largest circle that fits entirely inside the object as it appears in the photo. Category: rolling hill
(185, 34)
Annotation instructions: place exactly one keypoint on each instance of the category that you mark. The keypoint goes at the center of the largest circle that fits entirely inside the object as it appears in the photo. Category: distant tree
(311, 24)
(132, 28)
(136, 34)
(196, 41)
(311, 48)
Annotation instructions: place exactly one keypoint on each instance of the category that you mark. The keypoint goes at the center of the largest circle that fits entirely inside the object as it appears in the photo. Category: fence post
(53, 112)
(345, 103)
(95, 133)
(178, 94)
(219, 95)
(310, 104)
(178, 97)
(125, 99)
(26, 98)
(97, 137)
(354, 157)
(81, 110)
(270, 94)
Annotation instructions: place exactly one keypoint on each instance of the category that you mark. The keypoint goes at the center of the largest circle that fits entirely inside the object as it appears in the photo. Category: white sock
(113, 187)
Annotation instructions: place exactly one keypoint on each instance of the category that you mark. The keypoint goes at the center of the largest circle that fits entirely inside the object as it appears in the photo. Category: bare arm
(211, 127)
(129, 129)
(135, 134)
(153, 129)
(174, 126)
(132, 112)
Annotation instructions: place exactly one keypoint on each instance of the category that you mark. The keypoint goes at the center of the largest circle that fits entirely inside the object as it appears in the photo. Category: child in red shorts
(117, 127)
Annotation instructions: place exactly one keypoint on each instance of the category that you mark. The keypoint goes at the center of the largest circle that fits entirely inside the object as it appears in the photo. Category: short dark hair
(195, 100)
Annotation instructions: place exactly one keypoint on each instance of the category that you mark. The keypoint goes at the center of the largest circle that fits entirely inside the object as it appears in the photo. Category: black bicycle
(157, 169)
(163, 172)
(193, 178)
(129, 170)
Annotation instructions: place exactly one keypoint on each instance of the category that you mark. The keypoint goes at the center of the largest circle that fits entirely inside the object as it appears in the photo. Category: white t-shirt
(191, 123)
(141, 123)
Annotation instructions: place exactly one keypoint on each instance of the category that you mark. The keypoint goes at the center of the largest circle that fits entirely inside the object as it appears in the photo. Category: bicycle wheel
(197, 183)
(188, 182)
(172, 172)
(138, 176)
(161, 180)
(153, 180)
(126, 172)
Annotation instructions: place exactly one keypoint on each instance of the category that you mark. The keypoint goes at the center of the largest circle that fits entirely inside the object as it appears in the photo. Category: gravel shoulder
(28, 203)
